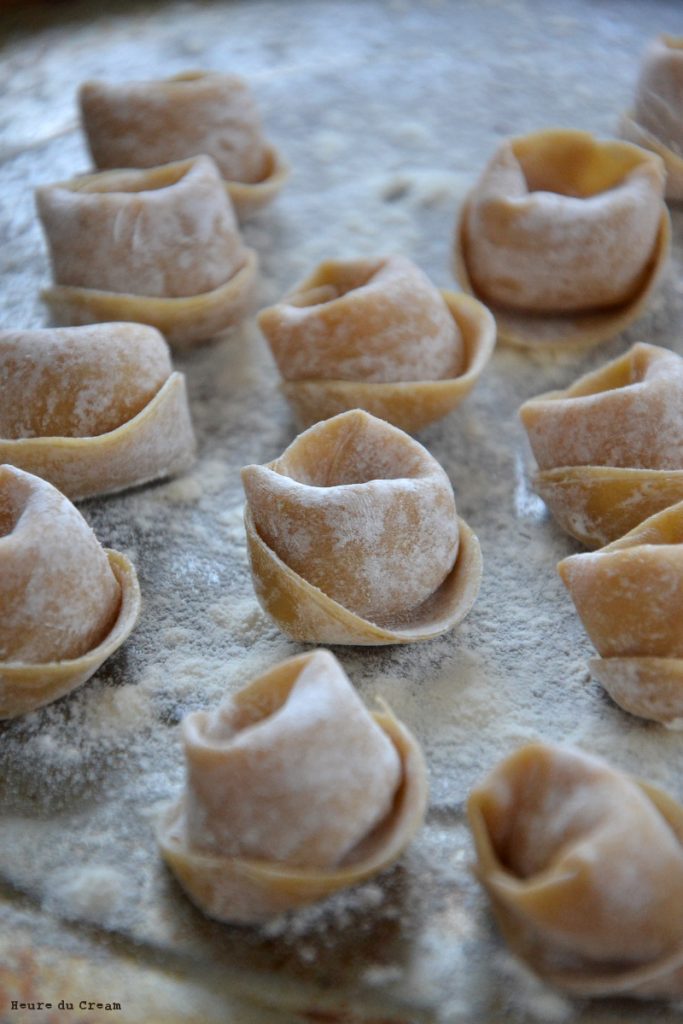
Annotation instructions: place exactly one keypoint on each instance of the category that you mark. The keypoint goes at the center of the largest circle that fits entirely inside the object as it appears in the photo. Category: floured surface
(387, 114)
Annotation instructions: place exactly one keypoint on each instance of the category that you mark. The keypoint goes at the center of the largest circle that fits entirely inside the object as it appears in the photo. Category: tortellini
(66, 604)
(629, 596)
(93, 409)
(377, 335)
(354, 538)
(143, 124)
(563, 236)
(656, 120)
(584, 867)
(158, 246)
(610, 447)
(293, 790)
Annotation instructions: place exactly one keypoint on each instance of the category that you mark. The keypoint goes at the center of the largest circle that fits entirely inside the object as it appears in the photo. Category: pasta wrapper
(183, 322)
(25, 686)
(144, 124)
(584, 868)
(93, 409)
(158, 246)
(622, 428)
(410, 405)
(598, 504)
(306, 614)
(656, 121)
(629, 597)
(65, 603)
(354, 538)
(248, 889)
(250, 197)
(564, 238)
(376, 320)
(157, 443)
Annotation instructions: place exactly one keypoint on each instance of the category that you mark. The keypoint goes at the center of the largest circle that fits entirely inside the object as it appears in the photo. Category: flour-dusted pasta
(656, 120)
(293, 790)
(354, 537)
(144, 124)
(66, 604)
(564, 236)
(158, 246)
(377, 335)
(610, 447)
(92, 409)
(629, 596)
(584, 867)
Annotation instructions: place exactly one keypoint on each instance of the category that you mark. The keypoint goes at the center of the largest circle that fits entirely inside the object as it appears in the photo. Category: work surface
(386, 113)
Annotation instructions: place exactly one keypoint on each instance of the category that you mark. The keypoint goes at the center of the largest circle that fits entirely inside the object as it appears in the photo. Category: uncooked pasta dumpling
(66, 604)
(92, 409)
(584, 867)
(656, 120)
(354, 537)
(293, 790)
(378, 320)
(143, 124)
(563, 236)
(610, 447)
(376, 334)
(158, 246)
(629, 596)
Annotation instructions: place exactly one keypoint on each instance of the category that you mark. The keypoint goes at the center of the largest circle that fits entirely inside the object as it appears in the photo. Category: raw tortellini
(610, 447)
(66, 604)
(377, 335)
(93, 409)
(656, 120)
(158, 246)
(354, 538)
(563, 236)
(584, 867)
(293, 790)
(629, 596)
(143, 124)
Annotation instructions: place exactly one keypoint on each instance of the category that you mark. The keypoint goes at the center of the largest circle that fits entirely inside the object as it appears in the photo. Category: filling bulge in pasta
(376, 320)
(58, 595)
(299, 773)
(361, 511)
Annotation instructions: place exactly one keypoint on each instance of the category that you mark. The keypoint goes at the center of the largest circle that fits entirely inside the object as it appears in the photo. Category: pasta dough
(375, 320)
(562, 225)
(158, 246)
(584, 868)
(144, 124)
(93, 409)
(610, 447)
(629, 596)
(78, 382)
(377, 335)
(293, 790)
(65, 603)
(656, 121)
(353, 532)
